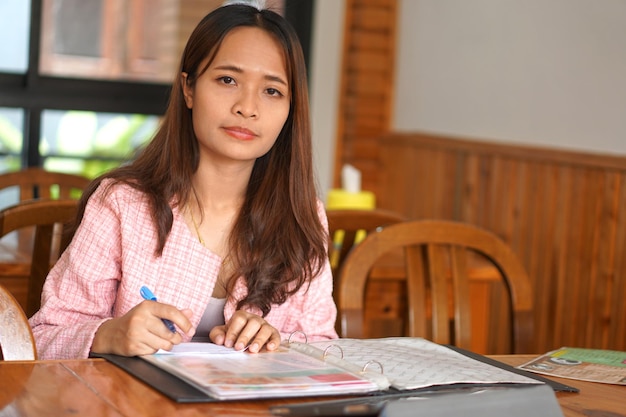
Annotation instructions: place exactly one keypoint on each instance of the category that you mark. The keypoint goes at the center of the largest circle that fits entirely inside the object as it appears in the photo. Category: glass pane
(74, 34)
(139, 40)
(15, 18)
(11, 137)
(90, 143)
(11, 125)
(110, 39)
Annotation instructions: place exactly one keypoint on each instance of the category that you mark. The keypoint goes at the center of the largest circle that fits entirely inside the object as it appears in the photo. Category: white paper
(194, 347)
(412, 362)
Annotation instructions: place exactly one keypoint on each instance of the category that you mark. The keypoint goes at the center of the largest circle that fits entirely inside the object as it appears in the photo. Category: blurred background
(83, 82)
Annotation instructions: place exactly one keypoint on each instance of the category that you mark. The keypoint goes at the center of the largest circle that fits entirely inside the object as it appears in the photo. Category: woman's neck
(214, 205)
(220, 188)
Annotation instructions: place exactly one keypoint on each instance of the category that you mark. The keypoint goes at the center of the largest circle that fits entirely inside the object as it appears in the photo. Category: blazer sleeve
(81, 289)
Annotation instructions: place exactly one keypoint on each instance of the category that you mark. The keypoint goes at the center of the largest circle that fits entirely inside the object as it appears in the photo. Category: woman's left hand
(246, 329)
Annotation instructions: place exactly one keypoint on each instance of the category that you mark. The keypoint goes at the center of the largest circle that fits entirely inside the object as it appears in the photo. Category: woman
(218, 215)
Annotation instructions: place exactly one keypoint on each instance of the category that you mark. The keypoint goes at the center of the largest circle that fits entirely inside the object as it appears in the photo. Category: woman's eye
(227, 80)
(274, 92)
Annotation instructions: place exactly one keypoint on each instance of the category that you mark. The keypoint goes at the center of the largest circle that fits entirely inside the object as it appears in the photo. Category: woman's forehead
(251, 49)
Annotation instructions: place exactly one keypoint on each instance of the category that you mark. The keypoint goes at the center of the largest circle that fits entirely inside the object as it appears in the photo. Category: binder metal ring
(289, 341)
(333, 346)
(380, 365)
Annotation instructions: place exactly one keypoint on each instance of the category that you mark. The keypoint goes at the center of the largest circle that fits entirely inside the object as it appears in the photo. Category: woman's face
(241, 102)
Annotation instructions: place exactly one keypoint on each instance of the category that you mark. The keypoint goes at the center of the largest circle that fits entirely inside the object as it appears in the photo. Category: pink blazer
(112, 255)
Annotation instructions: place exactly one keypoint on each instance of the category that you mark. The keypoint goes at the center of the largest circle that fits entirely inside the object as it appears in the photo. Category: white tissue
(350, 179)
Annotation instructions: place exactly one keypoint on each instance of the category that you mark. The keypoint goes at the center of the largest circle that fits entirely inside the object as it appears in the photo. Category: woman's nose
(246, 105)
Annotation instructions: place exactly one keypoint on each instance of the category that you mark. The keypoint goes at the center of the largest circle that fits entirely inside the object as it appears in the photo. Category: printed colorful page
(224, 373)
(595, 365)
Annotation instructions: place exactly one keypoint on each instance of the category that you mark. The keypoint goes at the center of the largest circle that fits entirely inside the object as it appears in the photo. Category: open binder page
(224, 373)
(412, 362)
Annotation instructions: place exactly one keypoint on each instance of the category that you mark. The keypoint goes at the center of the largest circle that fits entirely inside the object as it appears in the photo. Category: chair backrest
(435, 256)
(16, 337)
(39, 183)
(348, 227)
(50, 219)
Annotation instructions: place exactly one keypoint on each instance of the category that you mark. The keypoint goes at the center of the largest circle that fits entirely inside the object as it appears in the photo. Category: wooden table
(94, 387)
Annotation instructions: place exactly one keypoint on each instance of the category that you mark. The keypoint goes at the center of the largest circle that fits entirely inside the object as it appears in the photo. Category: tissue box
(341, 199)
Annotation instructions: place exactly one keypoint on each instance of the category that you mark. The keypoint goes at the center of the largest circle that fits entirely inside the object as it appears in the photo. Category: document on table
(595, 365)
(413, 362)
(332, 367)
(224, 373)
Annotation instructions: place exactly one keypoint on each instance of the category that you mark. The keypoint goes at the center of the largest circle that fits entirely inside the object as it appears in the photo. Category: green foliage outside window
(10, 145)
(84, 143)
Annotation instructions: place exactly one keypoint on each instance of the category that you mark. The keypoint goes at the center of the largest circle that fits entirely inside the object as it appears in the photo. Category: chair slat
(40, 266)
(439, 293)
(462, 307)
(416, 292)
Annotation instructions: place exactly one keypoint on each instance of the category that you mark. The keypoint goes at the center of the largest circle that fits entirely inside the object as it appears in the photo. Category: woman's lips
(240, 133)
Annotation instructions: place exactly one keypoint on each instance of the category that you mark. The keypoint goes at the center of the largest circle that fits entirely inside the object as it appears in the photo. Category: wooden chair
(436, 270)
(347, 227)
(16, 337)
(48, 243)
(39, 183)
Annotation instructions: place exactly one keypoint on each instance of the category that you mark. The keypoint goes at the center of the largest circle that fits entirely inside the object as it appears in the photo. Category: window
(84, 82)
(112, 39)
(14, 54)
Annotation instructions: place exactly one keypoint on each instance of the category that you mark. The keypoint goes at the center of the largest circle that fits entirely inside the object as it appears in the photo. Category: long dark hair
(277, 243)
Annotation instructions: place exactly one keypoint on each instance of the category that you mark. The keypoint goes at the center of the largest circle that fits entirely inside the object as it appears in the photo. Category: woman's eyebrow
(237, 69)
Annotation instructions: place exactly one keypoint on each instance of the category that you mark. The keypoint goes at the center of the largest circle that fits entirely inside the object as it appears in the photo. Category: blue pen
(148, 295)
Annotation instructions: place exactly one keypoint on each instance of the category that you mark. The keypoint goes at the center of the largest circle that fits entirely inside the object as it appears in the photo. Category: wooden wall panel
(563, 213)
(615, 310)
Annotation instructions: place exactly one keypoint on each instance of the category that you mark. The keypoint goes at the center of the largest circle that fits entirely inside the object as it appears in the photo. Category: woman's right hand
(141, 331)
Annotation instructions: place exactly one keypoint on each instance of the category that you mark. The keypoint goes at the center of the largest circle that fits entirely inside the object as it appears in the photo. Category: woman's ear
(187, 91)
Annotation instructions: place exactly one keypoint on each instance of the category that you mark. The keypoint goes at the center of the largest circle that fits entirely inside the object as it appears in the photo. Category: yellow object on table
(339, 199)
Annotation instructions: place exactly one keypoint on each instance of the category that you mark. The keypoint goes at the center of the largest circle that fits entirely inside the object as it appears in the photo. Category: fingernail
(254, 347)
(239, 346)
(271, 346)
